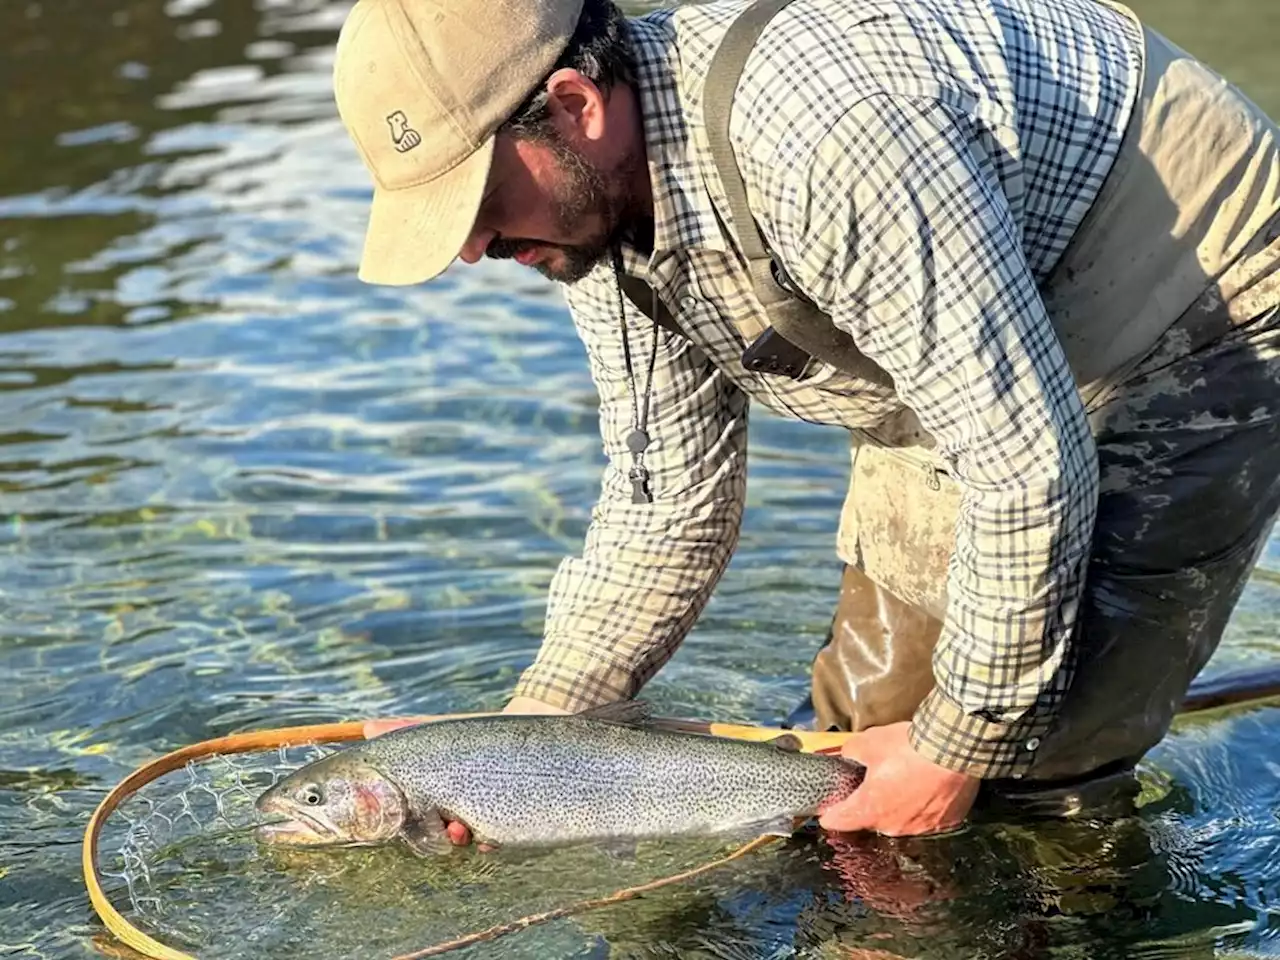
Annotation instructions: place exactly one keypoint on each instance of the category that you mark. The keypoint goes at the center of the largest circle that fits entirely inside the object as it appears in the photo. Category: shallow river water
(240, 489)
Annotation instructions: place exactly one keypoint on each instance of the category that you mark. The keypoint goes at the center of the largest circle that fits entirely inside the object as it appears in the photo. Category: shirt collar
(683, 215)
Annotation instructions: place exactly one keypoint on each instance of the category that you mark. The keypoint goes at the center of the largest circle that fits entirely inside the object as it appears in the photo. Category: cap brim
(416, 232)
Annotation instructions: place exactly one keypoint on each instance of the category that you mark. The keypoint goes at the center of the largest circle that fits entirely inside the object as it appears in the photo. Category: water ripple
(241, 489)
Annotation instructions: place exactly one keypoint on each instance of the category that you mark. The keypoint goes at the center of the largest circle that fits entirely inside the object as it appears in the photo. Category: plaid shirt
(918, 167)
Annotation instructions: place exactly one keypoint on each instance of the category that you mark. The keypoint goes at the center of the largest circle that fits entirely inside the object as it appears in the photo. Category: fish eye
(310, 795)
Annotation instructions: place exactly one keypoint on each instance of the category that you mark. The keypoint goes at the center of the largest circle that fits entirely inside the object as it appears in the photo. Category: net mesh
(209, 803)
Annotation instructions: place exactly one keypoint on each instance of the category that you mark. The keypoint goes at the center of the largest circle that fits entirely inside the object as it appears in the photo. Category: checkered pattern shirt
(918, 167)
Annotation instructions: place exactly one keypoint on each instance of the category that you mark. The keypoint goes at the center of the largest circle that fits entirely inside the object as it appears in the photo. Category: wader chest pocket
(901, 510)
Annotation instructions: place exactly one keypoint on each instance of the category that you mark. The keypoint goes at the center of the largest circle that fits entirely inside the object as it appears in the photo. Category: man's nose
(477, 243)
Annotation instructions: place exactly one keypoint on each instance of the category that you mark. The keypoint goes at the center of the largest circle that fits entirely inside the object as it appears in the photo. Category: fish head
(339, 800)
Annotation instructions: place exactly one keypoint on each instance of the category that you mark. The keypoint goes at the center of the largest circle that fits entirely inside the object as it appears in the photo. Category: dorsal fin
(788, 742)
(631, 713)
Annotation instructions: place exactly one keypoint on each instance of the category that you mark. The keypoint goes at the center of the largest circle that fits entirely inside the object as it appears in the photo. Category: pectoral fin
(426, 836)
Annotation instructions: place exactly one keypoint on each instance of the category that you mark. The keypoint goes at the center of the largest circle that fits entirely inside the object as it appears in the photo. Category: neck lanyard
(638, 438)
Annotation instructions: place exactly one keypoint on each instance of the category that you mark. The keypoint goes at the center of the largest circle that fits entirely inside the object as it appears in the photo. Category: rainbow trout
(604, 775)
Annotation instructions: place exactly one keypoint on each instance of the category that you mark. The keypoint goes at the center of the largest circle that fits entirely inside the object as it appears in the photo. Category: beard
(584, 192)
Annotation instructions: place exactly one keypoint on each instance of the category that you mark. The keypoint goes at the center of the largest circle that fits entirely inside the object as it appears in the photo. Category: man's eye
(490, 207)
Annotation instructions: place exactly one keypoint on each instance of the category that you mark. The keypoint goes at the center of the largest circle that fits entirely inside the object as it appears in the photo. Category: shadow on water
(240, 489)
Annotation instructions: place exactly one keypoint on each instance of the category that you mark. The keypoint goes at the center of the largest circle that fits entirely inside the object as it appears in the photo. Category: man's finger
(376, 728)
(459, 835)
(847, 816)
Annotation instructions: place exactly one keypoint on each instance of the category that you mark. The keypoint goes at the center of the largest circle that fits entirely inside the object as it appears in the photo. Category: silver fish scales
(517, 780)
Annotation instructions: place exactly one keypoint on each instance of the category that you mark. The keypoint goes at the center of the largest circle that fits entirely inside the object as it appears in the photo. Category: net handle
(132, 937)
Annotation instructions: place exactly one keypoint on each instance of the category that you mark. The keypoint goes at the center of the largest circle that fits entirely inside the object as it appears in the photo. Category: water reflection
(240, 489)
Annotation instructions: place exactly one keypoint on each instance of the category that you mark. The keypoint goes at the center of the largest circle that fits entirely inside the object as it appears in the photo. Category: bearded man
(1033, 249)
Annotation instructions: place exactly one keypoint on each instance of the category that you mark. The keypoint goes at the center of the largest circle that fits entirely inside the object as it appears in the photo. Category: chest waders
(1155, 605)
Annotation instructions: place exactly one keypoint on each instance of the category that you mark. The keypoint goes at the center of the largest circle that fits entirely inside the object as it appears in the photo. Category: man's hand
(903, 793)
(459, 835)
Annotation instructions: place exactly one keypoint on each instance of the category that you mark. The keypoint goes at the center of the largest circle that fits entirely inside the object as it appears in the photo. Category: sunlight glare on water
(240, 489)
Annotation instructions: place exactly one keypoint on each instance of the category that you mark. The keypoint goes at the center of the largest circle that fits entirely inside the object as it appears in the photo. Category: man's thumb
(860, 748)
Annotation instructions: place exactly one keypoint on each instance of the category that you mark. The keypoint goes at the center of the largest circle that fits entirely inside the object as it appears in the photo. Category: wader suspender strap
(641, 296)
(800, 330)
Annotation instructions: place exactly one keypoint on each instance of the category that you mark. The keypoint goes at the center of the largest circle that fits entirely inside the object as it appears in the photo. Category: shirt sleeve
(904, 236)
(617, 613)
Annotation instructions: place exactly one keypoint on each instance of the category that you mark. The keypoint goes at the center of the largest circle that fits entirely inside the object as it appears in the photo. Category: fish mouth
(296, 828)
(298, 832)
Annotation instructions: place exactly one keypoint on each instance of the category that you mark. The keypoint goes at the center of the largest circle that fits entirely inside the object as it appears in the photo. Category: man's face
(548, 206)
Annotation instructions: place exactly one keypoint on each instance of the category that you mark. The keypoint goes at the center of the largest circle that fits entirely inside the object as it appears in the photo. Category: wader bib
(1167, 305)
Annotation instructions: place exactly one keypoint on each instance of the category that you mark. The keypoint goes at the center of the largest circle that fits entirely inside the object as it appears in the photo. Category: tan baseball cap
(421, 87)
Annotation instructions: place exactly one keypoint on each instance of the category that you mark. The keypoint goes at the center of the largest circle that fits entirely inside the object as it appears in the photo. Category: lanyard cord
(638, 438)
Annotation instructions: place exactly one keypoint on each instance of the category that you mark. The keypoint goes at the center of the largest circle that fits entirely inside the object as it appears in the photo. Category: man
(1051, 238)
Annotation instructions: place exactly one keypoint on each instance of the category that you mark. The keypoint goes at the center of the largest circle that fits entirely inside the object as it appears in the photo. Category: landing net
(205, 813)
(174, 871)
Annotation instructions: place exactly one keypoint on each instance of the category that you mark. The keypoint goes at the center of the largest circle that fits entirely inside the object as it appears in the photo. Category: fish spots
(546, 780)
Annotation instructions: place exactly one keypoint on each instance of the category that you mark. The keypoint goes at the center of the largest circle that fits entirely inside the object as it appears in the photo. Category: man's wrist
(573, 681)
(963, 742)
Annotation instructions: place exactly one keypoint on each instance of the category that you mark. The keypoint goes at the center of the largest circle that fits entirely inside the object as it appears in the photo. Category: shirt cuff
(575, 683)
(970, 743)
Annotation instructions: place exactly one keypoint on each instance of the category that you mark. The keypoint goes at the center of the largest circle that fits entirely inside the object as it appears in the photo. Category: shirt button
(1033, 743)
(688, 302)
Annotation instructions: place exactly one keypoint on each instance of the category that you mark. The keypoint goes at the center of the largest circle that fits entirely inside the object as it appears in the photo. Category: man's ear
(576, 105)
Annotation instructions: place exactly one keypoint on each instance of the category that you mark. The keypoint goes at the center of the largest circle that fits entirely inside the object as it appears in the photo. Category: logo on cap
(403, 135)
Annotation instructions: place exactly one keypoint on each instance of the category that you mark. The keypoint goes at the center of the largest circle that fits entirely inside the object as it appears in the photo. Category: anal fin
(780, 826)
(621, 849)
